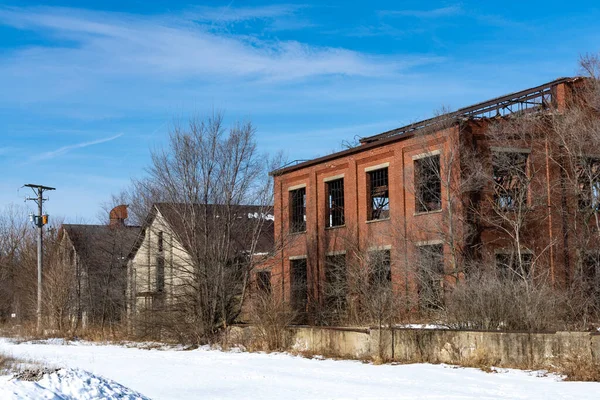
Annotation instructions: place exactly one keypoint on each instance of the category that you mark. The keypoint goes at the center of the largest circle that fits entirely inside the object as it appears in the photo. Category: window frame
(434, 280)
(263, 285)
(382, 212)
(510, 199)
(510, 271)
(333, 220)
(589, 192)
(422, 204)
(299, 287)
(160, 242)
(160, 273)
(297, 206)
(380, 275)
(336, 280)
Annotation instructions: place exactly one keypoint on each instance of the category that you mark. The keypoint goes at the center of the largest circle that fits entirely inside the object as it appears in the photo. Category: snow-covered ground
(66, 384)
(209, 374)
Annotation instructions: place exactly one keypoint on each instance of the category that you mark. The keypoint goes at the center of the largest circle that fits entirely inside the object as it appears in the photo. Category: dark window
(510, 180)
(335, 203)
(428, 184)
(263, 281)
(160, 241)
(431, 276)
(509, 266)
(299, 285)
(335, 286)
(160, 273)
(589, 278)
(379, 195)
(588, 180)
(298, 210)
(381, 271)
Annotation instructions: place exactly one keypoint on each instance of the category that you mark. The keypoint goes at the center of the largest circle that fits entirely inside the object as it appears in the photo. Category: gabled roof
(174, 215)
(98, 243)
(541, 97)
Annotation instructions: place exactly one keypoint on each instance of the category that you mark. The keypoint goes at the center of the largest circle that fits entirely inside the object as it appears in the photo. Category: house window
(335, 203)
(299, 286)
(335, 286)
(431, 276)
(160, 273)
(428, 184)
(588, 181)
(510, 179)
(263, 282)
(298, 210)
(160, 241)
(379, 195)
(380, 276)
(509, 266)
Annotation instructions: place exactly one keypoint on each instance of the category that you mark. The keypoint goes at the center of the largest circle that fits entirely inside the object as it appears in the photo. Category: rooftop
(538, 97)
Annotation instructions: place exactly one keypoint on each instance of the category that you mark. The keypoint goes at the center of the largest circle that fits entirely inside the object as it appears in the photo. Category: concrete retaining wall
(504, 349)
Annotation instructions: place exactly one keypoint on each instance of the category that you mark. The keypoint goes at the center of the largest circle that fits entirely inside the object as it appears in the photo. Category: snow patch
(66, 384)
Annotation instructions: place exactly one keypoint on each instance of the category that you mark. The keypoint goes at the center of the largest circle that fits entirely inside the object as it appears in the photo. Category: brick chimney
(118, 215)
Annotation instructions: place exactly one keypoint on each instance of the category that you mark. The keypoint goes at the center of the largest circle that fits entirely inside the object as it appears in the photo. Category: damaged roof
(541, 96)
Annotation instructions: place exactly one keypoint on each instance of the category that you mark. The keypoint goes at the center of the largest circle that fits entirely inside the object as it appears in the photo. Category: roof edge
(407, 131)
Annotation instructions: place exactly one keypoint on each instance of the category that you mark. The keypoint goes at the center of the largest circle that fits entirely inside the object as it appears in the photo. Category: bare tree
(204, 178)
(574, 140)
(17, 265)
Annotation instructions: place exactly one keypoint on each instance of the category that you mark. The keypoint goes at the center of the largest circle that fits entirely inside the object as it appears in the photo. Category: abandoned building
(96, 254)
(404, 196)
(165, 266)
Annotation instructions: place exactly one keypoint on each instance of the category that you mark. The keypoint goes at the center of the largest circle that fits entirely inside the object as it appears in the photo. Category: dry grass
(7, 364)
(579, 370)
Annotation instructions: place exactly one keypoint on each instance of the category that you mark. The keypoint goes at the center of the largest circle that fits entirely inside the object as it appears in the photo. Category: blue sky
(87, 88)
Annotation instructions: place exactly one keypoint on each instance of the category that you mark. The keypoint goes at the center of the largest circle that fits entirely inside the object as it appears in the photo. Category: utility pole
(40, 220)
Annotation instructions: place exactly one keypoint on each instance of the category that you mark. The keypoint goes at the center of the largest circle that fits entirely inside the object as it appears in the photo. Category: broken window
(335, 203)
(335, 286)
(428, 184)
(263, 282)
(590, 277)
(510, 179)
(509, 266)
(381, 270)
(298, 210)
(588, 180)
(431, 276)
(379, 195)
(299, 286)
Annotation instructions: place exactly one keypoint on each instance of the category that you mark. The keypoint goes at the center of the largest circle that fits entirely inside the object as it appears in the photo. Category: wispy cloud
(111, 43)
(229, 14)
(65, 149)
(433, 13)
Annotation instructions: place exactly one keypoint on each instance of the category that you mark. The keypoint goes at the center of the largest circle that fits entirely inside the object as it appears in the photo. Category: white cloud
(433, 13)
(174, 48)
(238, 14)
(65, 149)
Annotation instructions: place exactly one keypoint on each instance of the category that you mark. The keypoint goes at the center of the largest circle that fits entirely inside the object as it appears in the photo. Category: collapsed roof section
(536, 98)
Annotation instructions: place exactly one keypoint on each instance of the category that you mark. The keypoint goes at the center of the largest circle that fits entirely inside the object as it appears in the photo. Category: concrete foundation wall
(503, 349)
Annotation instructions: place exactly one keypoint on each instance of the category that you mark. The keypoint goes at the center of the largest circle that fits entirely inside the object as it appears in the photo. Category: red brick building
(413, 189)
